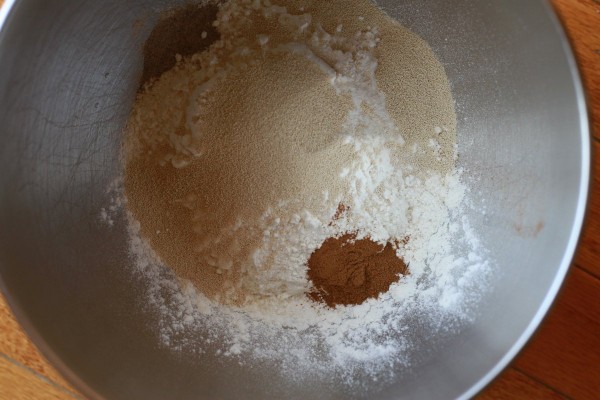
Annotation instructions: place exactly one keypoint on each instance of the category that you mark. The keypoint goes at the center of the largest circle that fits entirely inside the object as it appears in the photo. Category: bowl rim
(581, 209)
(578, 220)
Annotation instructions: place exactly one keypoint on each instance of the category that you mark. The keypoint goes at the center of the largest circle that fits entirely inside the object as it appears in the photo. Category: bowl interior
(69, 75)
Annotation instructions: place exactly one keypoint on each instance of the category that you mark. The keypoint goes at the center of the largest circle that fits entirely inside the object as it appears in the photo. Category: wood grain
(588, 254)
(581, 19)
(565, 353)
(18, 383)
(562, 360)
(16, 345)
(515, 385)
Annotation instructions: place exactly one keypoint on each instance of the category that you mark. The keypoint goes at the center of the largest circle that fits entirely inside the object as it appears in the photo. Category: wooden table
(562, 361)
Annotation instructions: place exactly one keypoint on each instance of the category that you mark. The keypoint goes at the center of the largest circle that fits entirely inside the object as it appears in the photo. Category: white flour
(387, 198)
(358, 344)
(372, 338)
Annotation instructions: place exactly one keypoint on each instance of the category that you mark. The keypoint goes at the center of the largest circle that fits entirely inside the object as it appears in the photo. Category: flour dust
(222, 246)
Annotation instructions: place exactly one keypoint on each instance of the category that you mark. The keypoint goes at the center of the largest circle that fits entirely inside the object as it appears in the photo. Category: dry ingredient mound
(287, 161)
(264, 129)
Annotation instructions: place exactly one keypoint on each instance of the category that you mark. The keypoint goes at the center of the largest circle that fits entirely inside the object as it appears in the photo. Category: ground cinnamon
(346, 271)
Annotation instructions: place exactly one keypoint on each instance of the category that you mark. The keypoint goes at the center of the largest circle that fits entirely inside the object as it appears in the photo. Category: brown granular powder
(291, 117)
(346, 271)
(181, 31)
(339, 213)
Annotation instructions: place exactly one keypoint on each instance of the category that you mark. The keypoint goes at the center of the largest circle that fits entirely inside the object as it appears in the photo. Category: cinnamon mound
(346, 271)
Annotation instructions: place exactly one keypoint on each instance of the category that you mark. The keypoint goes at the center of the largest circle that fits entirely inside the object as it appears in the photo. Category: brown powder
(339, 213)
(260, 146)
(346, 271)
(271, 133)
(185, 31)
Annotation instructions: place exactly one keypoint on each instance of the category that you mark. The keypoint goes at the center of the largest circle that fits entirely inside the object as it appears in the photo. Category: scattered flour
(395, 185)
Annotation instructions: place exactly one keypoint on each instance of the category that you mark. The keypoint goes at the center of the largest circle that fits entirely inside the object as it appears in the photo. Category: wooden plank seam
(40, 377)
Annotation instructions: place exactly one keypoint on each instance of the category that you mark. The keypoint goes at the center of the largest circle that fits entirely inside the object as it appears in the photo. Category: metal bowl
(69, 73)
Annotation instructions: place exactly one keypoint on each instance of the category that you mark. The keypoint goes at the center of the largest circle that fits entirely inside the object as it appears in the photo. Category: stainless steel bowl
(69, 74)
